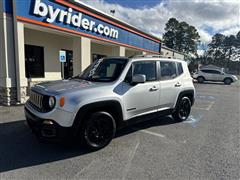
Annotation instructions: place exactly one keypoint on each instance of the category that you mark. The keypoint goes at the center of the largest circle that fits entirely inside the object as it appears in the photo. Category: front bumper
(46, 128)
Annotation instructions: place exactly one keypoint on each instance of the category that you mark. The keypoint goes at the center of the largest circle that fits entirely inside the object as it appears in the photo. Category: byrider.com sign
(65, 16)
(51, 15)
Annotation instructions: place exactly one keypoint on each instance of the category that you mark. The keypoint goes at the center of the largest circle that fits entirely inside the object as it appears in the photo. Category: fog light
(48, 122)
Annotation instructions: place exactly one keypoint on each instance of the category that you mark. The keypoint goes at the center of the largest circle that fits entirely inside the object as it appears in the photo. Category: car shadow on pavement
(162, 121)
(20, 148)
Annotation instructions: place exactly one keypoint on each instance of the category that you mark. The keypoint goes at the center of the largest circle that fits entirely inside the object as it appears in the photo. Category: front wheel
(227, 81)
(98, 130)
(183, 109)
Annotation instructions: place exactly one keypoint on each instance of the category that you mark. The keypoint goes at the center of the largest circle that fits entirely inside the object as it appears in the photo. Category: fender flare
(111, 106)
(186, 93)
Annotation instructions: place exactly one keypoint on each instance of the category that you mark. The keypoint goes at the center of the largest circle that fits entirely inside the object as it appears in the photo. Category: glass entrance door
(68, 65)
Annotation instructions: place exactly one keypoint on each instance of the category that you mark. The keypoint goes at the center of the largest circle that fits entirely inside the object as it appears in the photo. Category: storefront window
(34, 61)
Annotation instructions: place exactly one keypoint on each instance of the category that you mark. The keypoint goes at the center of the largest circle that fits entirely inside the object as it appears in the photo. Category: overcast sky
(208, 16)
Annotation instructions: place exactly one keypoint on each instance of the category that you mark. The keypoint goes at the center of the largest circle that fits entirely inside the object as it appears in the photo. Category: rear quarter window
(168, 70)
(180, 68)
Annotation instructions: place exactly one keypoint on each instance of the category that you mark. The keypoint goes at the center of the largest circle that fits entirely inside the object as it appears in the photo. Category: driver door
(141, 98)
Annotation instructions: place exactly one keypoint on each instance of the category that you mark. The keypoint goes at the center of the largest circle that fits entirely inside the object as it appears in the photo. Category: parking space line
(90, 165)
(152, 133)
(205, 97)
(131, 156)
(210, 105)
(200, 108)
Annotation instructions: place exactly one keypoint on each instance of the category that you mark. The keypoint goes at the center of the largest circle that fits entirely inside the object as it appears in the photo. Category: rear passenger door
(207, 74)
(170, 83)
(216, 75)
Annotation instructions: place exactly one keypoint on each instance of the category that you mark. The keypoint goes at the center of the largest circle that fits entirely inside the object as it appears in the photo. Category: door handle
(154, 88)
(178, 84)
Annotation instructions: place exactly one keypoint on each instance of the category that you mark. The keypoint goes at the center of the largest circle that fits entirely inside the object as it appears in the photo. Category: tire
(98, 130)
(227, 81)
(183, 109)
(200, 79)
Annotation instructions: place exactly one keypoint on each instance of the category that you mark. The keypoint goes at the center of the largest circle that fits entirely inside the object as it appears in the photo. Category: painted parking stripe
(200, 108)
(151, 133)
(210, 105)
(205, 107)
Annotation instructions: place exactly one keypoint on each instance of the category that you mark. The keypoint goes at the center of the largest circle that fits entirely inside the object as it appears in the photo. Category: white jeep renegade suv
(109, 93)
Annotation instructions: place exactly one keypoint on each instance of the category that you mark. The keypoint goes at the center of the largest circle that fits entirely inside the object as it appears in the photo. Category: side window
(180, 68)
(215, 72)
(148, 68)
(206, 71)
(168, 70)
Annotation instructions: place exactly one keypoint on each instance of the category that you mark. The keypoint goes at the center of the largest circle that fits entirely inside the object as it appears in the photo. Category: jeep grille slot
(36, 99)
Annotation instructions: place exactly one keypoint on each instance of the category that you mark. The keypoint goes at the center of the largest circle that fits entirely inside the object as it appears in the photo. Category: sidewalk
(11, 113)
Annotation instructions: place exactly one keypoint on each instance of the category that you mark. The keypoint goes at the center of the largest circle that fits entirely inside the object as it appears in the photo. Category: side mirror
(222, 73)
(139, 78)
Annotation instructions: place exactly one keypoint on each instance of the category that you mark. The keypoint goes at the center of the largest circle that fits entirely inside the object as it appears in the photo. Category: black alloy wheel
(183, 109)
(227, 81)
(99, 130)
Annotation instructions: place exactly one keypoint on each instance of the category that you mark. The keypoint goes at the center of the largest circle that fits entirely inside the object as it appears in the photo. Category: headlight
(235, 77)
(51, 102)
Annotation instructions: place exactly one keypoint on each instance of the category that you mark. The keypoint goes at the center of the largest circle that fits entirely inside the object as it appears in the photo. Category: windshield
(104, 70)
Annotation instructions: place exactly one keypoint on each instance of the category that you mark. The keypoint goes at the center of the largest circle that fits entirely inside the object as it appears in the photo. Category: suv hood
(62, 86)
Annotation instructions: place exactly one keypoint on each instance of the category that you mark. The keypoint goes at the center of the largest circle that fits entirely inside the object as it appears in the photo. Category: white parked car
(210, 74)
(109, 93)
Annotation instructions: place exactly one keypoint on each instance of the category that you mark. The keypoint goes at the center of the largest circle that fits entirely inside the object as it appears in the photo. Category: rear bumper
(46, 128)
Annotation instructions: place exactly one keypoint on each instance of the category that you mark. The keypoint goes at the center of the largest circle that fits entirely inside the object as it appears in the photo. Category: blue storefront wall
(25, 9)
(7, 6)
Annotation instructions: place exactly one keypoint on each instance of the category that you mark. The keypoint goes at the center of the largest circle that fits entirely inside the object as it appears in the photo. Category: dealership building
(45, 40)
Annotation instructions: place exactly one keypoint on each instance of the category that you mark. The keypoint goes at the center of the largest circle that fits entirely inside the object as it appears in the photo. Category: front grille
(36, 99)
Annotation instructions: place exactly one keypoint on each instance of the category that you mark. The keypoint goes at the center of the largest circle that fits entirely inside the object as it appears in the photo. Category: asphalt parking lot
(206, 146)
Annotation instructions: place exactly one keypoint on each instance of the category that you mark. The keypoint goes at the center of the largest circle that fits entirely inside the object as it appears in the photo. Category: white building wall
(76, 56)
(132, 52)
(166, 52)
(170, 53)
(52, 44)
(20, 62)
(118, 51)
(178, 56)
(85, 50)
(7, 63)
(107, 50)
(7, 59)
(101, 49)
(2, 51)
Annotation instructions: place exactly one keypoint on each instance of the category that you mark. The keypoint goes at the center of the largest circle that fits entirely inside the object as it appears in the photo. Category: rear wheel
(200, 79)
(183, 109)
(227, 81)
(98, 130)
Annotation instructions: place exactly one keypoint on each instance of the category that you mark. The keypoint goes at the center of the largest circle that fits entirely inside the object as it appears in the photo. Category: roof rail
(148, 56)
